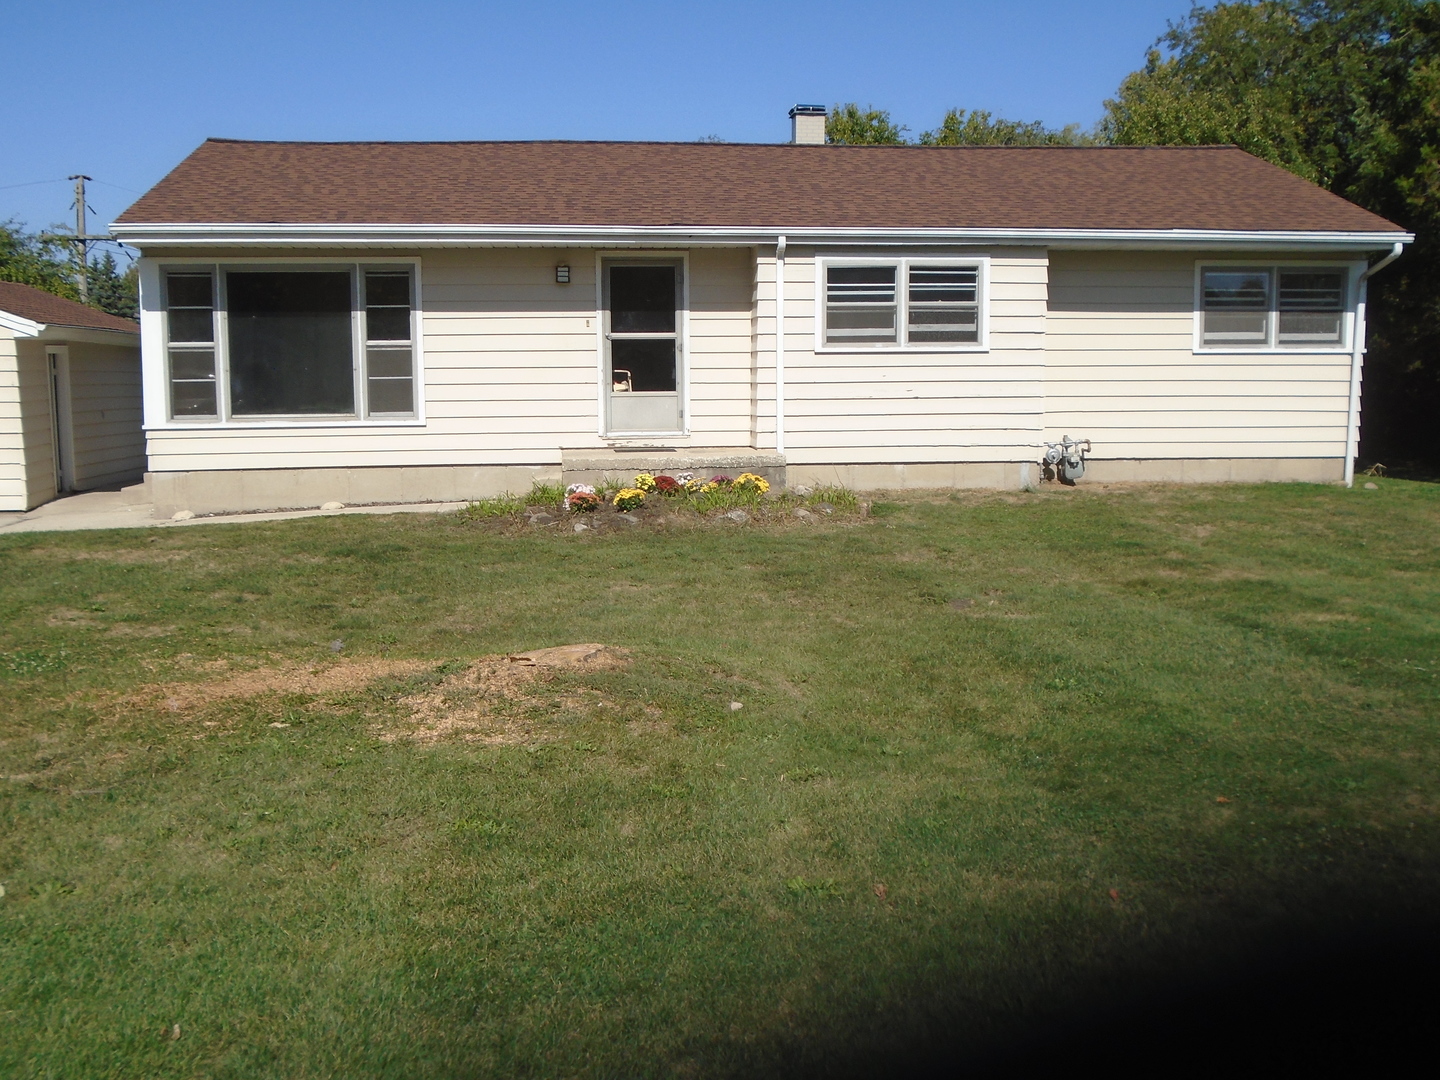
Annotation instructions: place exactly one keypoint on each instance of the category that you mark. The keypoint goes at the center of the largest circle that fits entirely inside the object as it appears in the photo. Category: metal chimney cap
(807, 110)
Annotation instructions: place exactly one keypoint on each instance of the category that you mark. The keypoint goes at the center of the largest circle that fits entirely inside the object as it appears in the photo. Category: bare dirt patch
(493, 700)
(334, 677)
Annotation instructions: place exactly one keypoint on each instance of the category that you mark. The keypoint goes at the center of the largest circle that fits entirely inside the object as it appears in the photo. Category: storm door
(644, 354)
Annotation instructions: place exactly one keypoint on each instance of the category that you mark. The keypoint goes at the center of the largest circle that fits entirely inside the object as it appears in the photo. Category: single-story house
(372, 321)
(70, 403)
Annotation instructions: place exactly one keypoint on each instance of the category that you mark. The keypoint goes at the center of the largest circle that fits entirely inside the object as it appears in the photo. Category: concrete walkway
(114, 510)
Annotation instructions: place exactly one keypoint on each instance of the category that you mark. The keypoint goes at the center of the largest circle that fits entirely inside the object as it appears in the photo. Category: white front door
(644, 350)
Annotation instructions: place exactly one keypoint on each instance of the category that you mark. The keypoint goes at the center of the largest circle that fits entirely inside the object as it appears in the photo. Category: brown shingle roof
(741, 186)
(39, 306)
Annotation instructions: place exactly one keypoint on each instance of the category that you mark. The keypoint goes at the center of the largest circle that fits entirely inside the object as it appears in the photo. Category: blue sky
(123, 91)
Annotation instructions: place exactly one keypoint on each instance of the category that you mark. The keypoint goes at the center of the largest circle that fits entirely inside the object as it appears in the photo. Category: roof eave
(390, 236)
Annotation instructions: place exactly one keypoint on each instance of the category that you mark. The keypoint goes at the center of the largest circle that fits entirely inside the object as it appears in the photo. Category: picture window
(302, 342)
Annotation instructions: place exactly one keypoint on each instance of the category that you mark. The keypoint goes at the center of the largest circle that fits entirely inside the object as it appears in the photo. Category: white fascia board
(19, 325)
(411, 236)
(93, 335)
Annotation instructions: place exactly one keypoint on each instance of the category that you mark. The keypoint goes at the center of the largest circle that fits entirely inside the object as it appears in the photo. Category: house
(377, 322)
(70, 403)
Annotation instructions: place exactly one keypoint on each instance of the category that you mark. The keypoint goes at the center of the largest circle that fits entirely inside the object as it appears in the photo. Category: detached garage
(70, 405)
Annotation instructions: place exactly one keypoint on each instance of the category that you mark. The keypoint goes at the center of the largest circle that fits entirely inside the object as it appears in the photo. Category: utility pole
(81, 239)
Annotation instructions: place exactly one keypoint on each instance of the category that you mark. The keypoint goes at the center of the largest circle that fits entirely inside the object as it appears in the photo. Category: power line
(34, 183)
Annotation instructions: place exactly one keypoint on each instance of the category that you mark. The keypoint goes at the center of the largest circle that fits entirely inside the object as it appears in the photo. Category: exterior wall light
(562, 275)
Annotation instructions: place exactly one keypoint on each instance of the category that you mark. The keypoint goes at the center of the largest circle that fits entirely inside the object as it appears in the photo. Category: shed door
(644, 354)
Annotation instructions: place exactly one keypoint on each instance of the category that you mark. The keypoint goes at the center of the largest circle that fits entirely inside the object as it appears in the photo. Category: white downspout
(780, 344)
(1357, 359)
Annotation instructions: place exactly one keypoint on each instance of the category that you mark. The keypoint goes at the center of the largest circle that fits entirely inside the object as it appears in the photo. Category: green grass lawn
(995, 752)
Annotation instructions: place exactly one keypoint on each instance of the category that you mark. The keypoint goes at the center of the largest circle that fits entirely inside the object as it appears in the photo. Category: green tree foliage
(31, 259)
(114, 291)
(1345, 93)
(850, 125)
(979, 128)
(27, 259)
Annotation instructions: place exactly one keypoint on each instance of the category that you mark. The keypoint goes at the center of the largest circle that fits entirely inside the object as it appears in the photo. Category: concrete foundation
(241, 490)
(230, 491)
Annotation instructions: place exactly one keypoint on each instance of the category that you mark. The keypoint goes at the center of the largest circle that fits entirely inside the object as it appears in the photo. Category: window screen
(1311, 307)
(944, 305)
(290, 347)
(1236, 307)
(190, 329)
(389, 348)
(860, 305)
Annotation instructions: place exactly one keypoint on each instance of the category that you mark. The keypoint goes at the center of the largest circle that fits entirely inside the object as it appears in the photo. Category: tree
(1345, 93)
(977, 128)
(112, 291)
(27, 259)
(32, 259)
(850, 125)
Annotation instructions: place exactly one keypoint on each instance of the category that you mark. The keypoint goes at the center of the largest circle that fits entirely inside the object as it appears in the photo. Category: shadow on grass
(1352, 988)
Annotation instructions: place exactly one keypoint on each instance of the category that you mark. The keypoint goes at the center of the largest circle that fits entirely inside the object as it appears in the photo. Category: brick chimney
(807, 125)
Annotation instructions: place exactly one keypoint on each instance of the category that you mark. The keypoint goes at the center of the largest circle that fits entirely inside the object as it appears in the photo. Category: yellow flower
(645, 482)
(750, 480)
(629, 499)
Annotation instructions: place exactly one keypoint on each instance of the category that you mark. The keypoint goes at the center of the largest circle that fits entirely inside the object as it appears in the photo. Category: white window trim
(1353, 270)
(602, 377)
(902, 264)
(153, 337)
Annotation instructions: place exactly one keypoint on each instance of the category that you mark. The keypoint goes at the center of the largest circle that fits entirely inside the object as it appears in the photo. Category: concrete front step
(596, 466)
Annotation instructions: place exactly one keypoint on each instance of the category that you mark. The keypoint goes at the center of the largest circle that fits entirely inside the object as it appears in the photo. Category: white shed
(70, 402)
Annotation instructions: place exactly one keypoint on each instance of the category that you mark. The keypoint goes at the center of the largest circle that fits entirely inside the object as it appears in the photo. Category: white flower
(579, 489)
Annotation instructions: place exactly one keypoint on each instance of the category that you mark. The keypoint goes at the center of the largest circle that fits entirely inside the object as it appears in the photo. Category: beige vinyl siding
(511, 371)
(105, 414)
(911, 406)
(12, 434)
(1121, 370)
(36, 422)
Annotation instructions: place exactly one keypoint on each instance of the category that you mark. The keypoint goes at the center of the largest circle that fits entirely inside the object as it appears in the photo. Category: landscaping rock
(740, 517)
(803, 491)
(627, 519)
(580, 527)
(803, 514)
(541, 518)
(332, 505)
(182, 515)
(1369, 486)
(736, 706)
(825, 508)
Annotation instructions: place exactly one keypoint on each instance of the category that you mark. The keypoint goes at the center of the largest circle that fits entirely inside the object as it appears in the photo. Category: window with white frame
(264, 343)
(921, 304)
(1273, 307)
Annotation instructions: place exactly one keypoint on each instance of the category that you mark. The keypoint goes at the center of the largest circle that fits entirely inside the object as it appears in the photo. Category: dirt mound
(494, 699)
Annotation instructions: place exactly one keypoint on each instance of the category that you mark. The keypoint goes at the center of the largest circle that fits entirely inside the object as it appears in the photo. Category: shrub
(668, 485)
